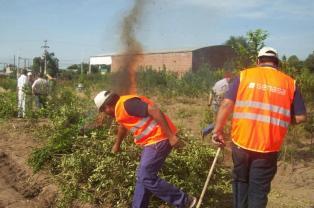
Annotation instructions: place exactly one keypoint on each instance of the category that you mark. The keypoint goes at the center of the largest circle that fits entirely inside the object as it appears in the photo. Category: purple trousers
(148, 182)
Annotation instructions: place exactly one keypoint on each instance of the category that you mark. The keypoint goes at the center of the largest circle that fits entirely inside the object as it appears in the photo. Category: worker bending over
(153, 131)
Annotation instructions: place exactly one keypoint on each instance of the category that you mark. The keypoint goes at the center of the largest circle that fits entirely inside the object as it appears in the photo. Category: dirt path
(19, 187)
(293, 186)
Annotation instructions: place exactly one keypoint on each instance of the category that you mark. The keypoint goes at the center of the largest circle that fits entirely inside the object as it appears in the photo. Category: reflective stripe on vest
(263, 106)
(147, 130)
(262, 118)
(139, 124)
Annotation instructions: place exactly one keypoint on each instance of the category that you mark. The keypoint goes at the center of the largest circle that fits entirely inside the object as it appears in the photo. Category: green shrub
(8, 104)
(93, 174)
(8, 83)
(167, 83)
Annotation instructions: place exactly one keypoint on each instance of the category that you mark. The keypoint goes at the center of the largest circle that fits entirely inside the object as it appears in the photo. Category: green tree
(309, 62)
(256, 42)
(247, 47)
(74, 67)
(284, 63)
(294, 63)
(78, 67)
(52, 64)
(241, 48)
(37, 65)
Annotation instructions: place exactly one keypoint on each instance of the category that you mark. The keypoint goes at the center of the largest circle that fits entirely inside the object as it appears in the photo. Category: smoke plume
(126, 80)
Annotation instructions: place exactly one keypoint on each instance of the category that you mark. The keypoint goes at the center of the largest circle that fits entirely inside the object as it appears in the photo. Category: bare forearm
(297, 119)
(159, 117)
(210, 98)
(225, 110)
(120, 135)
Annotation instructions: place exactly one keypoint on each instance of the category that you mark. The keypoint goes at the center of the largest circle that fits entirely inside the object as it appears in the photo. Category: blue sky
(77, 29)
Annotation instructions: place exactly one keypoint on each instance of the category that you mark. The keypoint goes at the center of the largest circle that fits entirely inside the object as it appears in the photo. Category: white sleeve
(34, 83)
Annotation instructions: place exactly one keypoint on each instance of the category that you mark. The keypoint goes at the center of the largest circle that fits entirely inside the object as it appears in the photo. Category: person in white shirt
(21, 84)
(215, 98)
(40, 90)
(30, 78)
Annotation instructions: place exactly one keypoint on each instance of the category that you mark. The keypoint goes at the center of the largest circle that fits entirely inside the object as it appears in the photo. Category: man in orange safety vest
(153, 131)
(264, 101)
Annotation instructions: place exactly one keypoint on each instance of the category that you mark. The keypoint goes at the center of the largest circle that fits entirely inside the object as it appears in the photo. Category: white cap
(268, 51)
(101, 98)
(29, 73)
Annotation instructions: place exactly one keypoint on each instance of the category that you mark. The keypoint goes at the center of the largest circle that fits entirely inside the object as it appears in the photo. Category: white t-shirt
(22, 81)
(221, 87)
(40, 86)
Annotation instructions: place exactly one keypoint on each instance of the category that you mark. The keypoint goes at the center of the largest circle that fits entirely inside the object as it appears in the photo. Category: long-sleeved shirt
(22, 82)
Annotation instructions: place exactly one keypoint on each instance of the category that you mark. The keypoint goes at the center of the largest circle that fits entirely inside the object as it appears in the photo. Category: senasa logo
(265, 87)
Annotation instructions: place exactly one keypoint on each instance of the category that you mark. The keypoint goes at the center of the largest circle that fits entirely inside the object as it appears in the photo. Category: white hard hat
(268, 51)
(101, 98)
(29, 73)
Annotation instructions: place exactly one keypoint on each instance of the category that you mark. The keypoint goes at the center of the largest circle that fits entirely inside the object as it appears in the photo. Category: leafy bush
(305, 81)
(64, 111)
(167, 83)
(93, 174)
(8, 83)
(8, 105)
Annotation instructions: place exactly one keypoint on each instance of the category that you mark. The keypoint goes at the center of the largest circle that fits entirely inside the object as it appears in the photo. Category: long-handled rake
(208, 177)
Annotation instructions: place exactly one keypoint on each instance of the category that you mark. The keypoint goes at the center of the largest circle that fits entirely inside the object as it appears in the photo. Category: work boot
(191, 202)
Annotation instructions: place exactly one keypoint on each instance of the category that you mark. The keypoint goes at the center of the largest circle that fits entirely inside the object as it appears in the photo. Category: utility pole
(45, 46)
(82, 67)
(17, 68)
(89, 68)
(14, 67)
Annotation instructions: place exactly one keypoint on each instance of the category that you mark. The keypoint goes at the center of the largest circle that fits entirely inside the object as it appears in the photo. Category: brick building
(182, 61)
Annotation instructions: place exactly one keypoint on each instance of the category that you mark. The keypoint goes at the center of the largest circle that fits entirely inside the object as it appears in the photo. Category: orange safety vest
(146, 130)
(262, 109)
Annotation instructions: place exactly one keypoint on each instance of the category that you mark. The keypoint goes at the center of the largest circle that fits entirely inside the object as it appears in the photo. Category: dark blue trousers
(252, 176)
(208, 129)
(148, 182)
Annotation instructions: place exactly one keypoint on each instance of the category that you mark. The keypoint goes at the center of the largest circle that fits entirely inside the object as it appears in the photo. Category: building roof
(160, 52)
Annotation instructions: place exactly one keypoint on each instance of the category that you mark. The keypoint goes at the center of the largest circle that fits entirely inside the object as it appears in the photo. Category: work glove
(218, 139)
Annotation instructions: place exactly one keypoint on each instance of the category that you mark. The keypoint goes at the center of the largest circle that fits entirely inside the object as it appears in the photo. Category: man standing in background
(215, 98)
(30, 78)
(40, 90)
(21, 84)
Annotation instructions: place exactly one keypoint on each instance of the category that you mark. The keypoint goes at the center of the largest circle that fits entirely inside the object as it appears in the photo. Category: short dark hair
(24, 71)
(263, 59)
(112, 99)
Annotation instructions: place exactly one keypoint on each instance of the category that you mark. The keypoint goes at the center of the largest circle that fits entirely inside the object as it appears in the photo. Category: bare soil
(19, 187)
